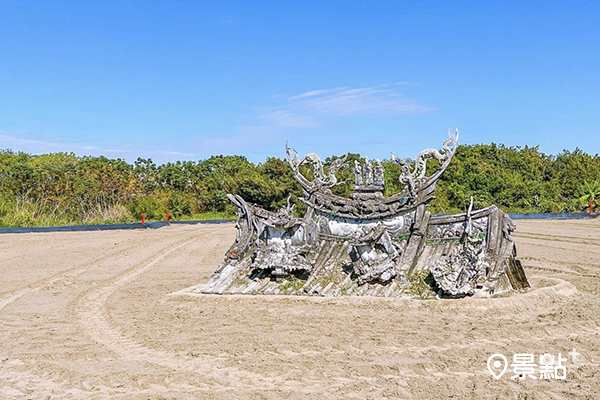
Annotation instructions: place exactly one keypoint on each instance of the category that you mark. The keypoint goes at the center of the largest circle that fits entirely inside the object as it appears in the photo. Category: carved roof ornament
(416, 178)
(368, 202)
(369, 244)
(321, 179)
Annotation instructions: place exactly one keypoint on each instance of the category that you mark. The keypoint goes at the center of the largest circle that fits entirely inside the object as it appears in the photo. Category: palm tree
(590, 190)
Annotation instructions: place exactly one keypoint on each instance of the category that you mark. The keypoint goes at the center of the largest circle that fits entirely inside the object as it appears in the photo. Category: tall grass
(213, 215)
(28, 212)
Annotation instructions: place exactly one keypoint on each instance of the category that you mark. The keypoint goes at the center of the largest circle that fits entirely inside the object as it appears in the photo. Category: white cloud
(289, 119)
(377, 101)
(7, 141)
(313, 93)
(317, 108)
(32, 145)
(38, 146)
(305, 118)
(177, 153)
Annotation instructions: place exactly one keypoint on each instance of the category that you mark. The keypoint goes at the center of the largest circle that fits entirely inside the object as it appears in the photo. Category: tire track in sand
(72, 272)
(92, 316)
(43, 384)
(558, 238)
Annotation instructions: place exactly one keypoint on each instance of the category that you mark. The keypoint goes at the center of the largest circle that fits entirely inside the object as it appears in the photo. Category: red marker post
(143, 219)
(167, 217)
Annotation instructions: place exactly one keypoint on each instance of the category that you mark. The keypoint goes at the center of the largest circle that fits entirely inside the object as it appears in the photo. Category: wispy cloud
(367, 101)
(40, 146)
(309, 119)
(178, 153)
(316, 108)
(313, 93)
(289, 119)
(242, 140)
(33, 145)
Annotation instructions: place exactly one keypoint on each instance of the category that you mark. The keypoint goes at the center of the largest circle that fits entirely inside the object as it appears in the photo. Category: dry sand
(92, 315)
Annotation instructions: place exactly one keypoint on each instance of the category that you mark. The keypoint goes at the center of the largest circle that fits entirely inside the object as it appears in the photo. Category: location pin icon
(497, 365)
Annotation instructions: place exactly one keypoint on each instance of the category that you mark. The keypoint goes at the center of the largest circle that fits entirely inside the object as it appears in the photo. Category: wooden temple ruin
(369, 244)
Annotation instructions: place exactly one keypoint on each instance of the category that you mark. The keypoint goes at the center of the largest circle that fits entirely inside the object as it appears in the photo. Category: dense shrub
(62, 188)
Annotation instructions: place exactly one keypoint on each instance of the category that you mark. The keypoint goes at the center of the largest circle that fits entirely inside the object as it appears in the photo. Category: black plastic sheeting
(155, 225)
(109, 227)
(553, 216)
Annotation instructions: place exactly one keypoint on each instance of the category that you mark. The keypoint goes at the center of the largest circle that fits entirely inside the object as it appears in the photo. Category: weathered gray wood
(408, 259)
(368, 244)
(392, 289)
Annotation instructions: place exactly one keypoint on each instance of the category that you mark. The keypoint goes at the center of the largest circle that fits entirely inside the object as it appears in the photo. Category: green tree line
(62, 188)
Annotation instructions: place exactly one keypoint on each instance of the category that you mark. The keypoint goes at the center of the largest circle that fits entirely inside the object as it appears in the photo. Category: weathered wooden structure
(369, 244)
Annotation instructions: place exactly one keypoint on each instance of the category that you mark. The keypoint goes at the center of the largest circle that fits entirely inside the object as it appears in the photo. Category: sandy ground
(91, 315)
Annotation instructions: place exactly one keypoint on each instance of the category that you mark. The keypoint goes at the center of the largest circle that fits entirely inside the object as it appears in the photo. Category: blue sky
(189, 79)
